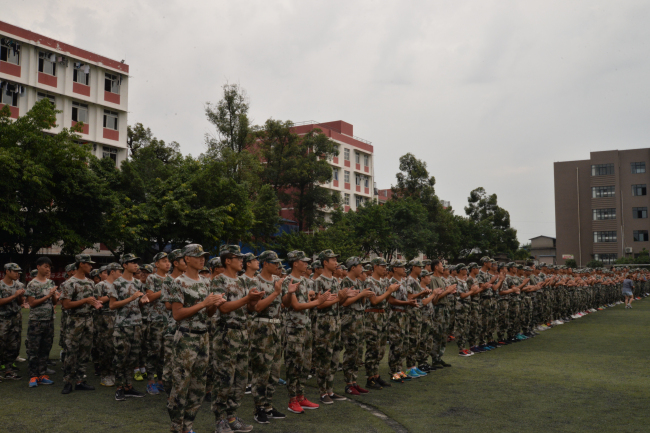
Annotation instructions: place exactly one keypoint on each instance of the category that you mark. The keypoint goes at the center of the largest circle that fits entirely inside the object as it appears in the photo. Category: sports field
(591, 375)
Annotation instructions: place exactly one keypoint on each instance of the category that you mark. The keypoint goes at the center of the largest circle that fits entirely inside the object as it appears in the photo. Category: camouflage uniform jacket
(358, 306)
(76, 290)
(232, 289)
(483, 278)
(413, 287)
(400, 294)
(155, 311)
(102, 289)
(188, 292)
(166, 290)
(268, 287)
(378, 288)
(130, 314)
(297, 319)
(461, 288)
(323, 284)
(37, 290)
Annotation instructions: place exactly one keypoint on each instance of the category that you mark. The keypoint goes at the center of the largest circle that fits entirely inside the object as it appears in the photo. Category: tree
(595, 264)
(571, 263)
(49, 193)
(230, 118)
(483, 208)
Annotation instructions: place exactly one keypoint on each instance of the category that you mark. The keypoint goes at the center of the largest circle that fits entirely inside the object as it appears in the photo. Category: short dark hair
(434, 263)
(43, 261)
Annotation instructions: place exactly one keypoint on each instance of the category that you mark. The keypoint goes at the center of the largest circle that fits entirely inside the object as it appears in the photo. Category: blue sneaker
(43, 380)
(420, 372)
(152, 389)
(33, 382)
(160, 387)
(282, 381)
(412, 373)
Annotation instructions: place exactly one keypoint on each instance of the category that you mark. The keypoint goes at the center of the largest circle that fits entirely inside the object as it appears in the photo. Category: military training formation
(217, 329)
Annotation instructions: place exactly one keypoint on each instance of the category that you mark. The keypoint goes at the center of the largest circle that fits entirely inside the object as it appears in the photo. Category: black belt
(191, 331)
(399, 310)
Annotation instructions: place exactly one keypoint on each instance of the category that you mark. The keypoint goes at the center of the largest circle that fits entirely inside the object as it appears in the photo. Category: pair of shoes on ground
(263, 415)
(40, 380)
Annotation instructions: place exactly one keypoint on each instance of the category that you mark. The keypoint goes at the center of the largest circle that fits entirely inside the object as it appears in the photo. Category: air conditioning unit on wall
(628, 250)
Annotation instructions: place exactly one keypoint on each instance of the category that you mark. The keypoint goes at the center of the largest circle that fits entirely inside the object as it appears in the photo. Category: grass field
(589, 375)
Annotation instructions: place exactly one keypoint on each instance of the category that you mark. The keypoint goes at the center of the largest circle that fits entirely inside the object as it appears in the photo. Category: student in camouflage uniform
(265, 339)
(295, 298)
(156, 323)
(229, 347)
(78, 297)
(398, 322)
(41, 296)
(414, 292)
(352, 327)
(474, 318)
(11, 299)
(327, 336)
(126, 297)
(442, 315)
(251, 267)
(192, 306)
(168, 287)
(105, 321)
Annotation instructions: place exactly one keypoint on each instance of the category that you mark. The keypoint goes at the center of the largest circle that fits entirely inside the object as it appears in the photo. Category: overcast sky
(488, 93)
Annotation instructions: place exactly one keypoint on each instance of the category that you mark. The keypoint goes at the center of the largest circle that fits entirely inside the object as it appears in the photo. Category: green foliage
(230, 118)
(571, 263)
(595, 264)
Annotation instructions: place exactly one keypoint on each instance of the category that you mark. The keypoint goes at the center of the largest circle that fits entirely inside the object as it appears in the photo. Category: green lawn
(589, 375)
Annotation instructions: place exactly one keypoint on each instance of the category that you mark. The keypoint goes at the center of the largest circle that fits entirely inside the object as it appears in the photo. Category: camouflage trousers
(414, 335)
(526, 314)
(265, 360)
(327, 351)
(441, 326)
(487, 318)
(461, 324)
(426, 337)
(352, 331)
(188, 378)
(63, 329)
(376, 332)
(168, 365)
(514, 317)
(14, 349)
(40, 335)
(94, 354)
(503, 317)
(474, 324)
(297, 359)
(153, 343)
(104, 324)
(397, 330)
(78, 343)
(229, 361)
(9, 339)
(127, 343)
(144, 347)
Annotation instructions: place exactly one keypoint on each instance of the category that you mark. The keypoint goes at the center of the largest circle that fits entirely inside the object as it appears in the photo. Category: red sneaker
(351, 389)
(294, 406)
(306, 404)
(361, 390)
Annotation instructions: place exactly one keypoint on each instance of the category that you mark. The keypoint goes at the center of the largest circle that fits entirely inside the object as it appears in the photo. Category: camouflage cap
(71, 267)
(425, 274)
(94, 273)
(33, 273)
(285, 271)
(398, 264)
(129, 258)
(102, 269)
(316, 264)
(296, 255)
(327, 254)
(231, 250)
(146, 268)
(519, 266)
(269, 256)
(461, 266)
(368, 268)
(215, 262)
(249, 257)
(175, 255)
(378, 261)
(205, 269)
(114, 267)
(13, 267)
(416, 262)
(352, 261)
(159, 256)
(83, 258)
(528, 268)
(485, 259)
(511, 265)
(426, 262)
(193, 250)
(473, 265)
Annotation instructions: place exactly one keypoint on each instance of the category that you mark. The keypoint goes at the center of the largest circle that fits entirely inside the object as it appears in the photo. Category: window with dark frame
(9, 51)
(335, 174)
(639, 212)
(347, 199)
(604, 214)
(112, 83)
(366, 160)
(609, 236)
(638, 190)
(640, 235)
(9, 97)
(41, 95)
(79, 76)
(602, 169)
(47, 63)
(366, 181)
(637, 167)
(357, 180)
(359, 200)
(603, 191)
(346, 176)
(110, 119)
(110, 152)
(346, 154)
(79, 112)
(607, 259)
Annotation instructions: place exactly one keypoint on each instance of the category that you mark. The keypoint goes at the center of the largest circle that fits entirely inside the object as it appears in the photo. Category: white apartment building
(353, 169)
(86, 87)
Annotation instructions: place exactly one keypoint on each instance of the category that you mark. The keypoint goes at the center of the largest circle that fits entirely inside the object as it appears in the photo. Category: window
(110, 119)
(640, 235)
(8, 95)
(357, 158)
(112, 83)
(639, 190)
(110, 152)
(638, 167)
(602, 169)
(347, 199)
(359, 200)
(335, 174)
(80, 112)
(81, 75)
(346, 176)
(334, 154)
(605, 236)
(604, 214)
(607, 259)
(366, 181)
(639, 212)
(9, 51)
(40, 95)
(602, 191)
(47, 63)
(346, 154)
(357, 180)
(366, 160)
